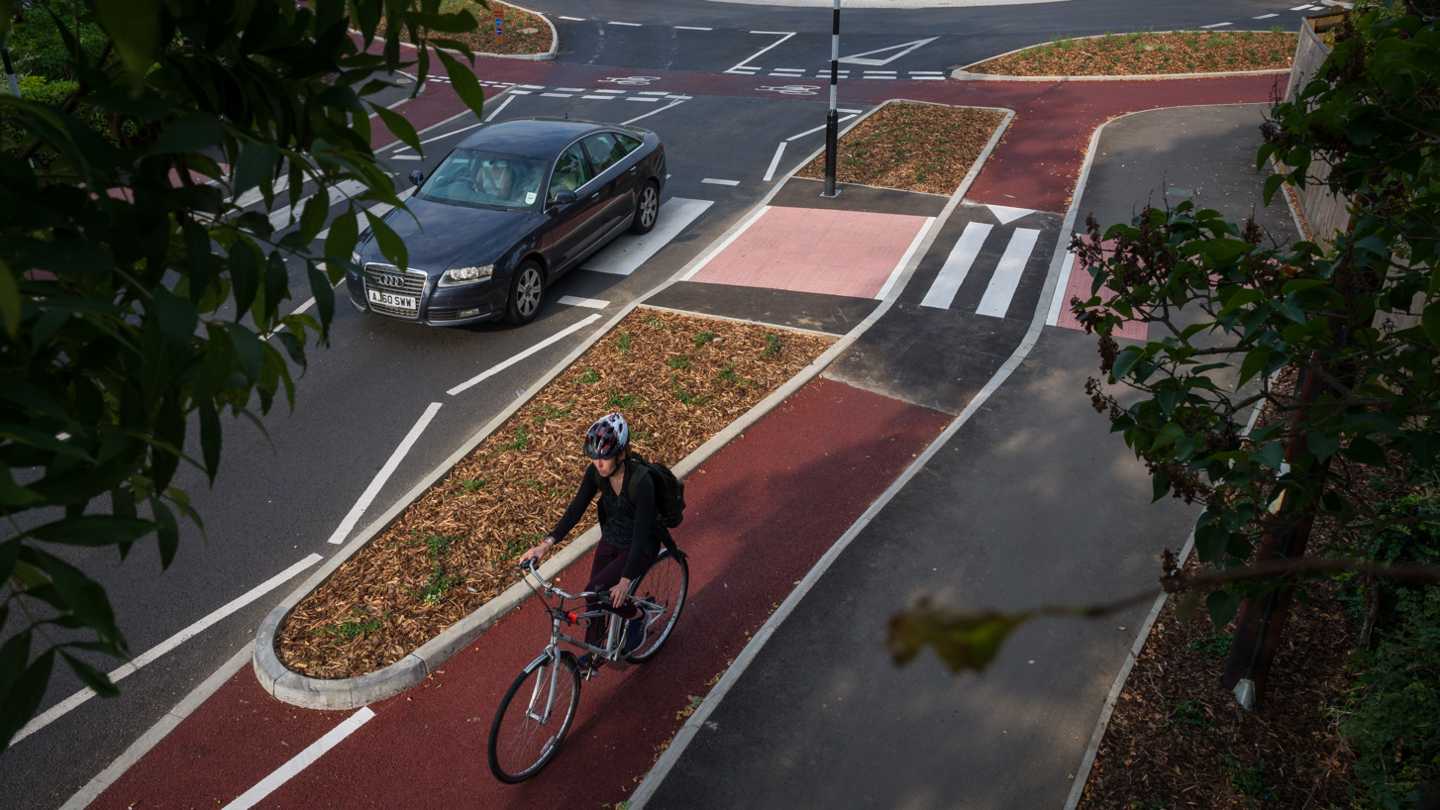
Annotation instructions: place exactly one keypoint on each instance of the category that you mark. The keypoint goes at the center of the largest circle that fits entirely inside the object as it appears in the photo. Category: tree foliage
(135, 290)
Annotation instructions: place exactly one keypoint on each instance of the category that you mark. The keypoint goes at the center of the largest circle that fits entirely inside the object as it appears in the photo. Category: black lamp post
(832, 118)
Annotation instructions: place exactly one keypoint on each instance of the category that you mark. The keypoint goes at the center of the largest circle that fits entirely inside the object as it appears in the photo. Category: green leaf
(1256, 361)
(209, 437)
(134, 28)
(166, 531)
(1167, 435)
(1222, 607)
(390, 242)
(1429, 321)
(344, 231)
(92, 677)
(9, 301)
(1127, 360)
(277, 285)
(19, 702)
(313, 218)
(92, 530)
(463, 80)
(323, 292)
(198, 258)
(189, 134)
(1322, 446)
(178, 321)
(83, 596)
(399, 127)
(1366, 451)
(245, 275)
(256, 165)
(964, 640)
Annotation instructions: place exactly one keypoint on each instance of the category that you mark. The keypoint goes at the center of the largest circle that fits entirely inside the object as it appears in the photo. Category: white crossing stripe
(1265, 16)
(592, 303)
(557, 95)
(623, 256)
(1007, 274)
(642, 98)
(957, 266)
(1058, 300)
(601, 98)
(714, 182)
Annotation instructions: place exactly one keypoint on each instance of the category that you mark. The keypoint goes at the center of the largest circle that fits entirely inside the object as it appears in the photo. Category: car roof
(534, 137)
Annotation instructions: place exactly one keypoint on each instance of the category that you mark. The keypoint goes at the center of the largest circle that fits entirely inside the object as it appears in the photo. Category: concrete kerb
(528, 57)
(350, 693)
(682, 738)
(963, 73)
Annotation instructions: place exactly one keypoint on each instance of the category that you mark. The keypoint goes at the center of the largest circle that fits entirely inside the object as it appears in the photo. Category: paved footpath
(1004, 514)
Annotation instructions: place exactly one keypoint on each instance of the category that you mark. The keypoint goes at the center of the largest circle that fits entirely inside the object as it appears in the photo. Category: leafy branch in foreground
(137, 291)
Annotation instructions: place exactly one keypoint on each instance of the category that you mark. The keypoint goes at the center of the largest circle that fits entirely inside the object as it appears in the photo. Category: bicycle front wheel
(664, 587)
(533, 718)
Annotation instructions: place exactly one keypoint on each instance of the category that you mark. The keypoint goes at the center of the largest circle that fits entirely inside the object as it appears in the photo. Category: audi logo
(387, 280)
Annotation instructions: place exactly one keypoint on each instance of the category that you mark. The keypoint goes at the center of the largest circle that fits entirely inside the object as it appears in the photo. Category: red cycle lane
(761, 513)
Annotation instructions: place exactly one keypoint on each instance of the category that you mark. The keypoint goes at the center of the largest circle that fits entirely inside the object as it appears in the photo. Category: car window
(486, 179)
(630, 144)
(571, 170)
(605, 150)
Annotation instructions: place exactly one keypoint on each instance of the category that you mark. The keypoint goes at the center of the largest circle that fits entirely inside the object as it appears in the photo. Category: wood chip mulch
(525, 33)
(1138, 54)
(914, 147)
(1178, 739)
(677, 379)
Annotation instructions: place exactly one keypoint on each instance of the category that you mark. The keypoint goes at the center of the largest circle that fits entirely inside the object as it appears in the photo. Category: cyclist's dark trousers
(605, 572)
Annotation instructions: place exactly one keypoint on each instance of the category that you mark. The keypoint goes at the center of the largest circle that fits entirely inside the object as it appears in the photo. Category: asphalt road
(359, 399)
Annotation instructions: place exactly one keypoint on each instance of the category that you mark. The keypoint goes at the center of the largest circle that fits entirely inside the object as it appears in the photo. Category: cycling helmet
(607, 437)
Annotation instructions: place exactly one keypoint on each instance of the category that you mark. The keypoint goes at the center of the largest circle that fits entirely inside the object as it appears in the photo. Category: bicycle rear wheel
(533, 718)
(665, 585)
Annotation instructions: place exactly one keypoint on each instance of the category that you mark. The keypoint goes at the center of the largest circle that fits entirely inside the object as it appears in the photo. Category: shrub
(38, 50)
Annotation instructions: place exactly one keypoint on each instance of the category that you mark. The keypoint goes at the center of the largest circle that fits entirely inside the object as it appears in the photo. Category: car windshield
(489, 179)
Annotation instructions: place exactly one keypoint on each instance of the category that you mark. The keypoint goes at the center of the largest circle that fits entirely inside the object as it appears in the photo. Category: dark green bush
(37, 48)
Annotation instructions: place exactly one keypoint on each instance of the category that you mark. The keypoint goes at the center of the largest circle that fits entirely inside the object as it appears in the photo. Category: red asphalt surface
(761, 512)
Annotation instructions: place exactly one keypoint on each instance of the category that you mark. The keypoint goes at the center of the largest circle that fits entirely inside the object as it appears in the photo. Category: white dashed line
(530, 86)
(1265, 16)
(592, 303)
(774, 162)
(601, 98)
(1217, 25)
(630, 25)
(570, 90)
(714, 182)
(616, 92)
(557, 95)
(641, 98)
(496, 111)
(519, 92)
(343, 530)
(692, 28)
(302, 760)
(555, 338)
(650, 92)
(574, 19)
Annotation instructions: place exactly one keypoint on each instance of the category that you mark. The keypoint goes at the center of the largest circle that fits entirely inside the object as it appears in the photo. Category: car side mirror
(417, 177)
(563, 197)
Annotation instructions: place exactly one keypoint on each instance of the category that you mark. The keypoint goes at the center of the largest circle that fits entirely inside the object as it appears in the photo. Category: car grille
(438, 315)
(384, 277)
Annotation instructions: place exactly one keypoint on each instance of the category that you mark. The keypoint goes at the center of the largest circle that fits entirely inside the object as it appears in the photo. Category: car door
(617, 179)
(574, 226)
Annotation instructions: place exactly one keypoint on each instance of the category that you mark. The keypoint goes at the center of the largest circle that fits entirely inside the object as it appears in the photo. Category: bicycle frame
(558, 614)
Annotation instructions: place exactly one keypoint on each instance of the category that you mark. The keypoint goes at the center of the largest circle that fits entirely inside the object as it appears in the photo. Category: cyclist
(630, 536)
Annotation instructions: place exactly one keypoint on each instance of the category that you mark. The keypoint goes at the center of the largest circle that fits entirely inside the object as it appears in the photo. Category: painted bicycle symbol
(631, 80)
(791, 89)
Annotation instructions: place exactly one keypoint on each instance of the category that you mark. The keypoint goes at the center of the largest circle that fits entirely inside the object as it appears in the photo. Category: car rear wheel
(647, 212)
(526, 289)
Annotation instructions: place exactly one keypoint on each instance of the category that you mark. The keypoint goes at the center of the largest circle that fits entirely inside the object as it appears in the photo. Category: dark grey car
(513, 207)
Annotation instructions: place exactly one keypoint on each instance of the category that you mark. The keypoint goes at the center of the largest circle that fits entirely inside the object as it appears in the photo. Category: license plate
(391, 300)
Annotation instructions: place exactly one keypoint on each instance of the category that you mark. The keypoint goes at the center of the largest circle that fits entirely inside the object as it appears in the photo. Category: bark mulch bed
(525, 33)
(1138, 54)
(677, 379)
(1178, 739)
(914, 147)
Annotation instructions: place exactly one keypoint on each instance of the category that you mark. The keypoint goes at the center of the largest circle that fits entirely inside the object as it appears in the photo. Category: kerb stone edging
(351, 693)
(963, 73)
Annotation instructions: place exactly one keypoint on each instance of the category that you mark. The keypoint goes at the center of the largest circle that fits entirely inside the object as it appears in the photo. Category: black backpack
(669, 490)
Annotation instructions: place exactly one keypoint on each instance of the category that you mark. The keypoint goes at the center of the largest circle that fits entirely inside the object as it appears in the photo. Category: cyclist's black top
(621, 522)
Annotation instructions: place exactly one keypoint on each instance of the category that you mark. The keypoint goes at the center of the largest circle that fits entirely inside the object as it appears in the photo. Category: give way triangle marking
(1006, 214)
(903, 48)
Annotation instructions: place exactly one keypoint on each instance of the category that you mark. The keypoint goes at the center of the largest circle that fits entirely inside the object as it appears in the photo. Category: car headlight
(466, 275)
(355, 257)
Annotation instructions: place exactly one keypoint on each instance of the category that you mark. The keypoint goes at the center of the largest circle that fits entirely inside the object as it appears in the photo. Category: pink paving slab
(1078, 286)
(847, 253)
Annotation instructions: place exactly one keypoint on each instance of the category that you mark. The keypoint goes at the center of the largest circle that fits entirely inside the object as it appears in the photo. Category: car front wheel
(526, 290)
(647, 212)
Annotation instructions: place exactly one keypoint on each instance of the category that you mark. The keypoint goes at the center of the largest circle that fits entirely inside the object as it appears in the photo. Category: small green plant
(686, 397)
(621, 402)
(539, 487)
(701, 338)
(516, 547)
(641, 436)
(656, 323)
(522, 437)
(1148, 804)
(1380, 483)
(439, 583)
(1187, 713)
(590, 377)
(1213, 646)
(548, 412)
(728, 374)
(474, 485)
(1277, 28)
(351, 629)
(772, 346)
(623, 341)
(919, 177)
(681, 362)
(1249, 781)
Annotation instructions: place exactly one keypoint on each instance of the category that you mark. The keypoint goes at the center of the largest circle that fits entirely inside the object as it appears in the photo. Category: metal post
(9, 70)
(832, 118)
(499, 28)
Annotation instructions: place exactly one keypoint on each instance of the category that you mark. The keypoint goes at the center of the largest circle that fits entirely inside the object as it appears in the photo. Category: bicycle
(528, 731)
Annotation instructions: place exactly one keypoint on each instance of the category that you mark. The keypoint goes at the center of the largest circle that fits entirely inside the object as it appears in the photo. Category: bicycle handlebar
(531, 567)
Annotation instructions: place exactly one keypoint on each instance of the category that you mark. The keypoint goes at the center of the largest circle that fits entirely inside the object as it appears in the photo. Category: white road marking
(927, 78)
(519, 92)
(1301, 8)
(1053, 317)
(149, 656)
(555, 338)
(717, 182)
(957, 265)
(491, 117)
(557, 95)
(340, 191)
(381, 477)
(615, 92)
(406, 157)
(774, 162)
(632, 25)
(1003, 284)
(650, 92)
(600, 98)
(1217, 25)
(641, 98)
(903, 49)
(905, 259)
(530, 86)
(817, 129)
(452, 132)
(656, 112)
(745, 63)
(1265, 16)
(302, 760)
(629, 251)
(720, 248)
(570, 89)
(1006, 214)
(378, 209)
(573, 19)
(572, 301)
(692, 28)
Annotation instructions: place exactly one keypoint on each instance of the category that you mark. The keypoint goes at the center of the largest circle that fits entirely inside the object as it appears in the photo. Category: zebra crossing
(845, 73)
(990, 260)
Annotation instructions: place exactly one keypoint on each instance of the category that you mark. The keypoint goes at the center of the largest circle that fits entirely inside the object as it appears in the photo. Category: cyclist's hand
(619, 592)
(534, 553)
